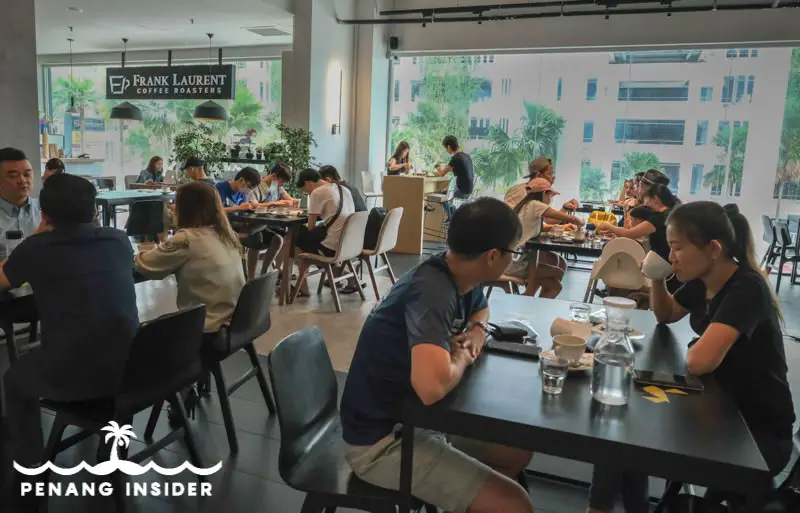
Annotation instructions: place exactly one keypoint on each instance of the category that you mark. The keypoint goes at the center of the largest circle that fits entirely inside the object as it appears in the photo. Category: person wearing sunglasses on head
(532, 205)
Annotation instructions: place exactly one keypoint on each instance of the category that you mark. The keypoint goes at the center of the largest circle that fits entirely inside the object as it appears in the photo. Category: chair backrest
(620, 264)
(352, 238)
(785, 236)
(251, 317)
(367, 183)
(130, 179)
(170, 176)
(146, 218)
(387, 238)
(769, 229)
(164, 358)
(105, 183)
(305, 390)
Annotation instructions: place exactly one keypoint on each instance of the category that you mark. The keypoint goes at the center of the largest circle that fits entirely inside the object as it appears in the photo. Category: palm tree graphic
(122, 437)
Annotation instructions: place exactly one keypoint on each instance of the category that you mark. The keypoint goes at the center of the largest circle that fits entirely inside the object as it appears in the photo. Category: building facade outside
(712, 120)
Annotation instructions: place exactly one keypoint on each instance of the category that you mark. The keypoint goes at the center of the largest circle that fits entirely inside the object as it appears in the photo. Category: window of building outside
(673, 171)
(697, 178)
(483, 91)
(506, 86)
(744, 52)
(588, 131)
(649, 131)
(396, 91)
(702, 133)
(591, 89)
(126, 148)
(653, 91)
(416, 90)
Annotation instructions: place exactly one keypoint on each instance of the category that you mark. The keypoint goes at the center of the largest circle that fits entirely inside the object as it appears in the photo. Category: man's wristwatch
(479, 324)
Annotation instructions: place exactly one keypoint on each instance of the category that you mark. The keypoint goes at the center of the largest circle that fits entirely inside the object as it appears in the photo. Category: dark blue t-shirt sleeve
(477, 300)
(21, 263)
(430, 310)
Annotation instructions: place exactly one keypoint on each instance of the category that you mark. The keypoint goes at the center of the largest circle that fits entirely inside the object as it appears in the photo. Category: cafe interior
(608, 191)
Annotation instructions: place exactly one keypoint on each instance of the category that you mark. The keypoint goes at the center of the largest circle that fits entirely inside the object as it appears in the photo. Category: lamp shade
(126, 111)
(211, 110)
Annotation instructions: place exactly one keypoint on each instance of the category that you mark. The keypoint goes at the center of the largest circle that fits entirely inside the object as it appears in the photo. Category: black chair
(146, 220)
(788, 252)
(770, 238)
(250, 320)
(311, 457)
(164, 359)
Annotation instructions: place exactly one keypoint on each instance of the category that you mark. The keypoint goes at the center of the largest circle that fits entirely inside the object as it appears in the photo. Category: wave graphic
(108, 467)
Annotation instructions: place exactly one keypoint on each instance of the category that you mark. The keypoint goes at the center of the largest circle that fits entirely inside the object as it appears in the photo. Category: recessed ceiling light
(74, 9)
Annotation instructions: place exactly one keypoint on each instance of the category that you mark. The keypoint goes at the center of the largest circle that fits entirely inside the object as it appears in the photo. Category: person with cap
(532, 207)
(195, 170)
(648, 178)
(329, 203)
(542, 167)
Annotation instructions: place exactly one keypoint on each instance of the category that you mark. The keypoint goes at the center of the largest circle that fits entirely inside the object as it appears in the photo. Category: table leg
(106, 213)
(406, 465)
(286, 267)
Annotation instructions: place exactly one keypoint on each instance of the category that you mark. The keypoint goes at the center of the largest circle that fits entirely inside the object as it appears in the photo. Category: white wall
(693, 29)
(323, 51)
(18, 81)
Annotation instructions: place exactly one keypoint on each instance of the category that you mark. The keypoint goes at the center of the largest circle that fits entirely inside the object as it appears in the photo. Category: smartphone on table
(667, 379)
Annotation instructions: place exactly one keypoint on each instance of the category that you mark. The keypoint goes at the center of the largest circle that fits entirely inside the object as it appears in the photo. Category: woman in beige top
(204, 255)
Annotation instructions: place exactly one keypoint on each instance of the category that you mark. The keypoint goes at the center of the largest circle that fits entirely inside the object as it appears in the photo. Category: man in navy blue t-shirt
(415, 346)
(233, 193)
(82, 279)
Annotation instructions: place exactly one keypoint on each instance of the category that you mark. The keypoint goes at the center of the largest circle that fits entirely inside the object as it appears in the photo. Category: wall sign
(171, 83)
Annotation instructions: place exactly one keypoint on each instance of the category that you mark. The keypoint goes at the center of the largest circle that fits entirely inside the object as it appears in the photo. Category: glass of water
(554, 373)
(579, 312)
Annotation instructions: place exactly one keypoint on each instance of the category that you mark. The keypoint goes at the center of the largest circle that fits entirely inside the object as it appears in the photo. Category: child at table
(732, 308)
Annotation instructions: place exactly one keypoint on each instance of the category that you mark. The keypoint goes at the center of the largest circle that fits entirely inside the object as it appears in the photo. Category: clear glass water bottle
(612, 375)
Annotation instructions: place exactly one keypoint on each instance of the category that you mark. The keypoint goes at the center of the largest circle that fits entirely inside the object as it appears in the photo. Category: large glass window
(649, 131)
(701, 139)
(125, 148)
(653, 91)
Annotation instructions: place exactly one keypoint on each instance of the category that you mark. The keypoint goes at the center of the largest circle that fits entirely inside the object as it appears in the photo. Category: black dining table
(558, 245)
(290, 224)
(699, 438)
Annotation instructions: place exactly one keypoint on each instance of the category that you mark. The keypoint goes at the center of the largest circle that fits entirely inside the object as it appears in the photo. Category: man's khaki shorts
(446, 473)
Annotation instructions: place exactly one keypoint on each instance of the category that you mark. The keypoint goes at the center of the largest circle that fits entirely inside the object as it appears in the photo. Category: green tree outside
(593, 185)
(789, 155)
(736, 144)
(77, 91)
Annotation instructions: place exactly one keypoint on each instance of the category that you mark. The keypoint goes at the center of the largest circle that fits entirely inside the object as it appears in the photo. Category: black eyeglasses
(512, 251)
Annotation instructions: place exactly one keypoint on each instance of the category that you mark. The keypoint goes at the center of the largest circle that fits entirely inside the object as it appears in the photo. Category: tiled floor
(250, 482)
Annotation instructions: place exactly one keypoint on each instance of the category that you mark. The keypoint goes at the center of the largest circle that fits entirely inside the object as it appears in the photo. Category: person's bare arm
(664, 306)
(4, 283)
(443, 170)
(312, 220)
(709, 351)
(551, 213)
(643, 229)
(394, 166)
(435, 371)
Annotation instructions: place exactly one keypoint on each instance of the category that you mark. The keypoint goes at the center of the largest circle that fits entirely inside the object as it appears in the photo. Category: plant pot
(249, 155)
(259, 155)
(235, 154)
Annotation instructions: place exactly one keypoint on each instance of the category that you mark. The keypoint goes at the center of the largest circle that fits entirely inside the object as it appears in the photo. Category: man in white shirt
(329, 203)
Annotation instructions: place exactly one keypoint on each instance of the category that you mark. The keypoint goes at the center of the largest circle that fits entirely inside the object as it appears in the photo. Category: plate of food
(585, 363)
(633, 334)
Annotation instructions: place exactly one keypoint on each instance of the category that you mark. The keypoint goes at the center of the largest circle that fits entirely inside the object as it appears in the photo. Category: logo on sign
(118, 84)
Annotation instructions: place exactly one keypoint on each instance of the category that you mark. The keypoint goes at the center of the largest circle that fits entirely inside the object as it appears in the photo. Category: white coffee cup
(563, 326)
(655, 267)
(569, 347)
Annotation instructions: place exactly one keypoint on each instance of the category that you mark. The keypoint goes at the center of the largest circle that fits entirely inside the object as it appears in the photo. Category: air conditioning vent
(269, 31)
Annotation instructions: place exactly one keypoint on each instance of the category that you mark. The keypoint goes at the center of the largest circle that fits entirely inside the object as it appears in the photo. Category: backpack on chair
(374, 223)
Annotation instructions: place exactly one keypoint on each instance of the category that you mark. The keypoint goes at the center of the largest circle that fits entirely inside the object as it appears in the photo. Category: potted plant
(293, 151)
(235, 150)
(197, 140)
(249, 154)
(259, 153)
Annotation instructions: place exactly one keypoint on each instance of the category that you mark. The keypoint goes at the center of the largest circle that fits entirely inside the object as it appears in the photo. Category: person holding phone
(399, 163)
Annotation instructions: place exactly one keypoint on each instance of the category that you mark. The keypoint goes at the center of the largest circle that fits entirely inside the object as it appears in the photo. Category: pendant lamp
(211, 110)
(72, 110)
(126, 111)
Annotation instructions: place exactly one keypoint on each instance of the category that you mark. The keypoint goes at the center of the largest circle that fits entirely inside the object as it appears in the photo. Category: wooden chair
(351, 244)
(387, 240)
(368, 186)
(509, 284)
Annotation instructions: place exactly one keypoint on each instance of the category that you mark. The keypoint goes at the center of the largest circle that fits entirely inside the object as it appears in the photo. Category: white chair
(370, 191)
(130, 179)
(387, 240)
(351, 244)
(619, 266)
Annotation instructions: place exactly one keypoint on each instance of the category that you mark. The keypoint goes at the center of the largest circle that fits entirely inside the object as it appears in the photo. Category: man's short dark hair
(450, 142)
(280, 173)
(56, 165)
(193, 162)
(12, 155)
(328, 171)
(307, 175)
(481, 225)
(68, 200)
(250, 176)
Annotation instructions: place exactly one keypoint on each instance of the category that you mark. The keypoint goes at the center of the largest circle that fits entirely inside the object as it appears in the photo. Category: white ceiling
(158, 24)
